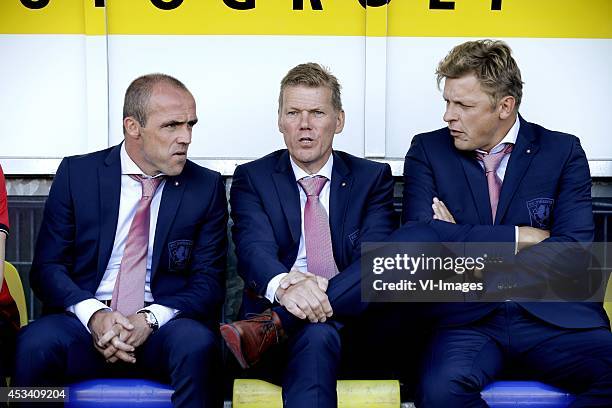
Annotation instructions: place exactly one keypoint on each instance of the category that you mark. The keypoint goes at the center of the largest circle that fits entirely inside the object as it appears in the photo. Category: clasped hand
(303, 295)
(116, 336)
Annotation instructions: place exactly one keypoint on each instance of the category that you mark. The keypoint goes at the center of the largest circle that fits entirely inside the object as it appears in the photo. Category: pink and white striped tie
(319, 253)
(491, 163)
(128, 294)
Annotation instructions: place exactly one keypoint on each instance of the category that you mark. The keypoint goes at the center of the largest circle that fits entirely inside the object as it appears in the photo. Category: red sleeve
(4, 221)
(8, 309)
(5, 294)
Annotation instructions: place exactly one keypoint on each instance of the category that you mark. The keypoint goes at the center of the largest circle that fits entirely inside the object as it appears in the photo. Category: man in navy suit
(163, 324)
(537, 190)
(269, 207)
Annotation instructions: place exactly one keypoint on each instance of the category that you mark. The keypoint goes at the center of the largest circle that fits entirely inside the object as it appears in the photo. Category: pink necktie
(128, 295)
(491, 163)
(316, 230)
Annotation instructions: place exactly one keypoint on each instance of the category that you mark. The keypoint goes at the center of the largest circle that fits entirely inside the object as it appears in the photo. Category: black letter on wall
(99, 3)
(166, 5)
(35, 4)
(441, 5)
(315, 4)
(373, 3)
(496, 4)
(240, 5)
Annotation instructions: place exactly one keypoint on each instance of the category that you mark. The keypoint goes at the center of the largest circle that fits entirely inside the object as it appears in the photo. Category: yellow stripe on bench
(351, 393)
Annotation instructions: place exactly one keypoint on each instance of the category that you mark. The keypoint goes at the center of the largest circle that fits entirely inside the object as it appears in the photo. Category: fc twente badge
(540, 210)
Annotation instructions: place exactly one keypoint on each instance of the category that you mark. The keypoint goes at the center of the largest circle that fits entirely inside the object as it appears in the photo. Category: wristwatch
(150, 319)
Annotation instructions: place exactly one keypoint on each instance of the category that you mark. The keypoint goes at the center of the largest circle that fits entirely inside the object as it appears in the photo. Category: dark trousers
(462, 360)
(308, 365)
(56, 350)
(8, 333)
(314, 349)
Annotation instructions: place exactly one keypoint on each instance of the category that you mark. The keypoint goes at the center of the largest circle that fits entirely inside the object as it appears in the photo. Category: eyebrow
(178, 122)
(316, 108)
(463, 100)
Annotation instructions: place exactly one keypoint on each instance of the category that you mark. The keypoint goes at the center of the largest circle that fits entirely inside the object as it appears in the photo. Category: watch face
(153, 321)
(150, 319)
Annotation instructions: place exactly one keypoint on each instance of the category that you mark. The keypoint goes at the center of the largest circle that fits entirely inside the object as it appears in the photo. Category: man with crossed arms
(492, 169)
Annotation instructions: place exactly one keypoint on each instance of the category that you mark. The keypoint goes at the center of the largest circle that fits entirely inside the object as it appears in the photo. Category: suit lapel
(339, 193)
(170, 201)
(478, 186)
(289, 195)
(524, 150)
(109, 181)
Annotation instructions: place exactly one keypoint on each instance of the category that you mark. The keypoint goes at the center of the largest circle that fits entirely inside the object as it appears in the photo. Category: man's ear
(340, 122)
(131, 127)
(280, 125)
(506, 107)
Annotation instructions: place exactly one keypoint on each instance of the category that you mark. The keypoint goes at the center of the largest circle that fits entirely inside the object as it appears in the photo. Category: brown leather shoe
(249, 339)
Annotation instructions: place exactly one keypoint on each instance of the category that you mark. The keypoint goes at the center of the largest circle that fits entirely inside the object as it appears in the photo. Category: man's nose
(185, 136)
(449, 114)
(305, 120)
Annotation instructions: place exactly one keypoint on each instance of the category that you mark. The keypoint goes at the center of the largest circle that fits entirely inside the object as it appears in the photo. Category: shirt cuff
(273, 287)
(85, 309)
(162, 313)
(516, 239)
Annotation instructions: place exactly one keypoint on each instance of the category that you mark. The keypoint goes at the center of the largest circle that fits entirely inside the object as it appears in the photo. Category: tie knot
(149, 184)
(491, 161)
(313, 185)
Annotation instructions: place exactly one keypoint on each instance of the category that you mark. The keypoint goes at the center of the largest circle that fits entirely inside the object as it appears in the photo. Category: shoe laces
(268, 323)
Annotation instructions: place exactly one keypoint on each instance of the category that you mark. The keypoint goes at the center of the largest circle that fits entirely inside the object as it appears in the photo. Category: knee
(43, 346)
(37, 338)
(194, 341)
(29, 339)
(319, 337)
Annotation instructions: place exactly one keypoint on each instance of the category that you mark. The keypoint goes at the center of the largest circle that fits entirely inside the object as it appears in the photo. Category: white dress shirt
(301, 262)
(131, 193)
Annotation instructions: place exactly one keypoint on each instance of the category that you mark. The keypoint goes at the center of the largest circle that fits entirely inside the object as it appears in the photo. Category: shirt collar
(510, 137)
(129, 167)
(326, 170)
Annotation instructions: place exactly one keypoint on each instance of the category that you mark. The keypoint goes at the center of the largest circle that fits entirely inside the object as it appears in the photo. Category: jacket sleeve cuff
(162, 313)
(85, 309)
(516, 237)
(273, 287)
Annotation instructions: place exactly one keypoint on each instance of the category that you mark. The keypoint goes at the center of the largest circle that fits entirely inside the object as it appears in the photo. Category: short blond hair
(312, 75)
(492, 64)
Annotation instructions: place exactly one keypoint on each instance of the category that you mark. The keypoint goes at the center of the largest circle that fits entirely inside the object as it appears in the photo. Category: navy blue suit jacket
(547, 185)
(78, 230)
(265, 209)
